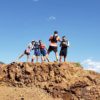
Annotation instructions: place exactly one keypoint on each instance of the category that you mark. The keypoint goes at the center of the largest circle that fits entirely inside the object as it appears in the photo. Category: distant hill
(1, 62)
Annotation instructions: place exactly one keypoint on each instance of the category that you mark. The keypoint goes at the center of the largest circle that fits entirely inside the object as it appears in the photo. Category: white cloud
(89, 64)
(52, 18)
(35, 0)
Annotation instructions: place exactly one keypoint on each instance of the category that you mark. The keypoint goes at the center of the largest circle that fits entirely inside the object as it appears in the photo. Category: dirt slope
(60, 80)
(26, 93)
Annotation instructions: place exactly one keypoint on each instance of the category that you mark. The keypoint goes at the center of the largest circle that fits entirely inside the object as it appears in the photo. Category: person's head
(40, 41)
(33, 42)
(55, 33)
(63, 38)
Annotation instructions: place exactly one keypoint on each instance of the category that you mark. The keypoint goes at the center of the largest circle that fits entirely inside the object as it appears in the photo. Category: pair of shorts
(43, 52)
(37, 52)
(27, 53)
(52, 48)
(63, 52)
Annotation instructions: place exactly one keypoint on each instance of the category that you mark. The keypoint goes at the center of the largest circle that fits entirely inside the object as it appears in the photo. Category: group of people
(40, 49)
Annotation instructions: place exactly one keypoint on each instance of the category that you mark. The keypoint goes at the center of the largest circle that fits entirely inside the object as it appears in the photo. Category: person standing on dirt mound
(64, 46)
(43, 51)
(37, 52)
(54, 39)
(27, 51)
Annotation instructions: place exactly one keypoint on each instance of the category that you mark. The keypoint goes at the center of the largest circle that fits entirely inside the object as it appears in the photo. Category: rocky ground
(60, 81)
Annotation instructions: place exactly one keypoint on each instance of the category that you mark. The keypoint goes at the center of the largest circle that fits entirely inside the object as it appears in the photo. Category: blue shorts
(37, 52)
(43, 52)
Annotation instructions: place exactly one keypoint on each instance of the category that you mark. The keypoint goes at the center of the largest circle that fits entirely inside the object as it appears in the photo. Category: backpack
(54, 39)
(36, 45)
(64, 43)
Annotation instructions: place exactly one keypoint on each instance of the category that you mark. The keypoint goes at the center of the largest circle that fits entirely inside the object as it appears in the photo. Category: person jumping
(64, 46)
(54, 39)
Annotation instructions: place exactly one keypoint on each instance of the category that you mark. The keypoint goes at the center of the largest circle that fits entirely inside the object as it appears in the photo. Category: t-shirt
(42, 46)
(29, 47)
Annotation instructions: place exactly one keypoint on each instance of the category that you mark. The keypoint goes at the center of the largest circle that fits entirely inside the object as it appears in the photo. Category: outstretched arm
(58, 39)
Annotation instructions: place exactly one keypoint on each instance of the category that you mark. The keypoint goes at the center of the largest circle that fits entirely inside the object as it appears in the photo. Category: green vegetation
(78, 64)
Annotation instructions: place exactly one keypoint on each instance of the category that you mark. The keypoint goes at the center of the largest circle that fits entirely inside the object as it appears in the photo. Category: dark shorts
(63, 52)
(52, 48)
(37, 52)
(43, 52)
(27, 53)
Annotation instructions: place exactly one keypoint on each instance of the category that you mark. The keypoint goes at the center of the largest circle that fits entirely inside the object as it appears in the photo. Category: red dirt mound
(61, 80)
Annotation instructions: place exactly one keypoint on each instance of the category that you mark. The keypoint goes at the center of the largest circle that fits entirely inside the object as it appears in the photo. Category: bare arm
(58, 39)
(46, 48)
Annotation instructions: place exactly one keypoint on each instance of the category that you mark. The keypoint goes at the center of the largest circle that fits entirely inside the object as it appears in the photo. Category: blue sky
(24, 20)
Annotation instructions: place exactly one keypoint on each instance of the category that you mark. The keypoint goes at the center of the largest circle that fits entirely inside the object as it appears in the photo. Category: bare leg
(47, 59)
(42, 58)
(20, 57)
(36, 58)
(56, 53)
(60, 60)
(65, 59)
(47, 56)
(28, 56)
(33, 59)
